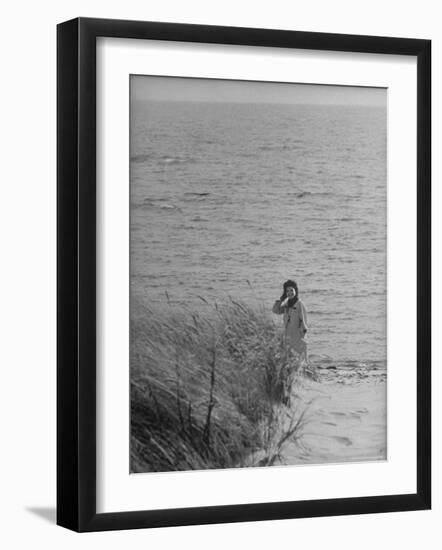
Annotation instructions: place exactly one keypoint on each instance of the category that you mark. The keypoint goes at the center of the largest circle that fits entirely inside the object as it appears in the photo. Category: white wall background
(27, 289)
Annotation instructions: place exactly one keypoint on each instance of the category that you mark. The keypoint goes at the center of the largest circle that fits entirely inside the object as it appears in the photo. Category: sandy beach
(345, 417)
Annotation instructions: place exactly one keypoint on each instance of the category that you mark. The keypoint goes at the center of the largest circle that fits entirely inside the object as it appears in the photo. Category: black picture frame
(77, 287)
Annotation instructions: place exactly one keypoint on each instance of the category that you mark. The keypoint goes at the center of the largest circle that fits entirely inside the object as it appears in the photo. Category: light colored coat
(295, 324)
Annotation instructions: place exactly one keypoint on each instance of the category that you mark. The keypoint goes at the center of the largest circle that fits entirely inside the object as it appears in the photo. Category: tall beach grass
(208, 388)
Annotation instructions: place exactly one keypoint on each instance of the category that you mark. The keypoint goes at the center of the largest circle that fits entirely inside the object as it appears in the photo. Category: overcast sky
(237, 91)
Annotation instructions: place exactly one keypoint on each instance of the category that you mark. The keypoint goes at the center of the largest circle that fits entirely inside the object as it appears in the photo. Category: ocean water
(234, 198)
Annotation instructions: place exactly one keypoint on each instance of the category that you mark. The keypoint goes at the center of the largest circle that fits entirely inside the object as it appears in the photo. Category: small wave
(284, 147)
(327, 362)
(165, 159)
(189, 196)
(350, 372)
(303, 194)
(175, 160)
(365, 294)
(159, 203)
(142, 157)
(207, 141)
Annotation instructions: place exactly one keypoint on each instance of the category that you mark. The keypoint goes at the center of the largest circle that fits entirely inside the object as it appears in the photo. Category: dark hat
(291, 283)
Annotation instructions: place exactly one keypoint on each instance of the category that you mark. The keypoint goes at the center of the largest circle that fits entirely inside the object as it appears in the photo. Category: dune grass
(206, 388)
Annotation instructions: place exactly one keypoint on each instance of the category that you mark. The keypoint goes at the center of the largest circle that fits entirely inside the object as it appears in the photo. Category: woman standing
(295, 318)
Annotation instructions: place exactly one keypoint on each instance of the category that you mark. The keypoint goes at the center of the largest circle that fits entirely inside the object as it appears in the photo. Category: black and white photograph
(258, 274)
(220, 242)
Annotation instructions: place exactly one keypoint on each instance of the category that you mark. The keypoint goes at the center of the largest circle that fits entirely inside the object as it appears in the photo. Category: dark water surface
(232, 199)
